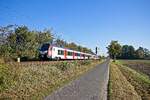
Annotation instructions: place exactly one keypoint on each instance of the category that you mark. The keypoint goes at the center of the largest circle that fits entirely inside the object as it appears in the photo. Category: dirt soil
(135, 72)
(138, 65)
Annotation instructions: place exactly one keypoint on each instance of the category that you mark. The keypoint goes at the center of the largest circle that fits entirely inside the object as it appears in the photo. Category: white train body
(54, 52)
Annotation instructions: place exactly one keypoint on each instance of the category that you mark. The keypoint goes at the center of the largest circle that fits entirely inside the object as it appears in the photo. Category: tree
(146, 53)
(140, 53)
(20, 41)
(124, 52)
(44, 36)
(114, 49)
(60, 43)
(5, 31)
(131, 52)
(24, 43)
(72, 46)
(127, 52)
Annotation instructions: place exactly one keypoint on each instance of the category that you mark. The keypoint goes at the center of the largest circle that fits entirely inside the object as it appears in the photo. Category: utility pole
(96, 50)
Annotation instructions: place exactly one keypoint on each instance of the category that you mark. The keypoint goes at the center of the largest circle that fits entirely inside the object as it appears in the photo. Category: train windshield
(44, 47)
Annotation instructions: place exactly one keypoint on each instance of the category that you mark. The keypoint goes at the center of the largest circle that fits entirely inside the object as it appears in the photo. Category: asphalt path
(90, 86)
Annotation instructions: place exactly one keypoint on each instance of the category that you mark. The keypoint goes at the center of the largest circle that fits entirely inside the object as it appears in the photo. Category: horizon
(88, 23)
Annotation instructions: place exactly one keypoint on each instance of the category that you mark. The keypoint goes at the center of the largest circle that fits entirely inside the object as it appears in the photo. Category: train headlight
(43, 52)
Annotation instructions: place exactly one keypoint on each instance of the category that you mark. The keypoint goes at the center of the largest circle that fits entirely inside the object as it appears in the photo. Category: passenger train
(48, 51)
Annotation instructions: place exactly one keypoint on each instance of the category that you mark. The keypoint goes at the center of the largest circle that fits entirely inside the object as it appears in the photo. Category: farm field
(37, 80)
(138, 65)
(129, 80)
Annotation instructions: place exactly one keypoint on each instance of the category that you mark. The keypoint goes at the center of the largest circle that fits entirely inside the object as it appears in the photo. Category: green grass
(137, 61)
(119, 88)
(139, 76)
(139, 80)
(34, 81)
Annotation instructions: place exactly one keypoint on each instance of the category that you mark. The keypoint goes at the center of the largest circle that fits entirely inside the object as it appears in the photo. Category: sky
(89, 23)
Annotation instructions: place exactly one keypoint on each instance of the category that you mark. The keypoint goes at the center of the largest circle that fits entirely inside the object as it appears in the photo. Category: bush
(63, 66)
(3, 76)
(1, 60)
(85, 62)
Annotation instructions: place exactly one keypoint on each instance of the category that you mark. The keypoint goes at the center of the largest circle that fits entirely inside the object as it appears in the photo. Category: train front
(45, 52)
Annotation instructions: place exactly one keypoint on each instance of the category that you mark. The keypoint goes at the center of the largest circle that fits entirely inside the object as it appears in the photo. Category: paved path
(90, 86)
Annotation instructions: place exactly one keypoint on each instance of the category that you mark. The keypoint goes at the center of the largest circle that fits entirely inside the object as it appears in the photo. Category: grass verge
(140, 81)
(34, 81)
(119, 88)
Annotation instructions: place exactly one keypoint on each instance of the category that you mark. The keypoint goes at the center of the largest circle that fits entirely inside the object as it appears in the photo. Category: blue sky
(87, 22)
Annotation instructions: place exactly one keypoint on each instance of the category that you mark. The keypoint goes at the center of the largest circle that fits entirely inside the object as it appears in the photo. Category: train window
(78, 54)
(75, 54)
(69, 53)
(83, 55)
(60, 52)
(44, 47)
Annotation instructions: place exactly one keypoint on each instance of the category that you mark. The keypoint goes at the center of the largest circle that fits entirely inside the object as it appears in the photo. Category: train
(51, 52)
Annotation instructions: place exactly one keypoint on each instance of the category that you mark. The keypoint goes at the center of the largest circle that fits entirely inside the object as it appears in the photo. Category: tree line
(20, 41)
(115, 50)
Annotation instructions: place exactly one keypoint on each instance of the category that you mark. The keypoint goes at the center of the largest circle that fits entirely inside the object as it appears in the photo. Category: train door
(50, 51)
(65, 54)
(73, 54)
(83, 56)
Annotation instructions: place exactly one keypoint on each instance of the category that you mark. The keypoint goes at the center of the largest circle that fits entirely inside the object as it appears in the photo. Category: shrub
(63, 66)
(3, 76)
(1, 60)
(85, 62)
